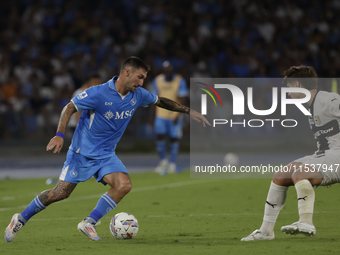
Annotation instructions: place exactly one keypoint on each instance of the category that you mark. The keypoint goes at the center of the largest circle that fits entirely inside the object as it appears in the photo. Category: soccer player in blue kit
(107, 110)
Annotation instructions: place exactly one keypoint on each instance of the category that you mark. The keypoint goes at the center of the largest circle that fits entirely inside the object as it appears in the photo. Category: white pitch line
(188, 215)
(138, 189)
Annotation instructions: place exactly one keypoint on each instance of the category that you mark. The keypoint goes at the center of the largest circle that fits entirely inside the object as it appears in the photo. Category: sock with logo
(33, 208)
(276, 199)
(161, 148)
(306, 198)
(104, 206)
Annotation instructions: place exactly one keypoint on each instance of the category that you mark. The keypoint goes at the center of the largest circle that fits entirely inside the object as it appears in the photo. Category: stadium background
(49, 47)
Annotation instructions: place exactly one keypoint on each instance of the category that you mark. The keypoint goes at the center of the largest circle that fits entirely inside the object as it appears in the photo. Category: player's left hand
(57, 143)
(199, 117)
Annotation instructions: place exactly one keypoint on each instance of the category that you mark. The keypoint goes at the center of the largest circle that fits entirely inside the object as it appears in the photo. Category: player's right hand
(57, 143)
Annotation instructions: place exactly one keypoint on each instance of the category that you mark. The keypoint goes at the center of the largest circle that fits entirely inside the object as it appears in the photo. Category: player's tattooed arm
(57, 141)
(171, 105)
(174, 106)
(65, 116)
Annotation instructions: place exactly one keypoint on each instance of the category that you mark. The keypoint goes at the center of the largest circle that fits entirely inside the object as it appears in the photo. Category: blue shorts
(168, 127)
(78, 168)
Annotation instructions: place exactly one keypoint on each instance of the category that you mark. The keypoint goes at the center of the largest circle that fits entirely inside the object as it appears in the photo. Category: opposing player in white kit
(319, 169)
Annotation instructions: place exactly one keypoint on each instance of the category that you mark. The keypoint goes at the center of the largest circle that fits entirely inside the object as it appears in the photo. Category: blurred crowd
(49, 47)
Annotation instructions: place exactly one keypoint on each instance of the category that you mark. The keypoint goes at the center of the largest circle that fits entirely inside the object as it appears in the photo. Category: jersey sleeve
(147, 98)
(86, 100)
(182, 91)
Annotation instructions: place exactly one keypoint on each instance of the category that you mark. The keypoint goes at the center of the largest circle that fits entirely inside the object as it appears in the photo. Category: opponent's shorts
(78, 168)
(168, 127)
(328, 164)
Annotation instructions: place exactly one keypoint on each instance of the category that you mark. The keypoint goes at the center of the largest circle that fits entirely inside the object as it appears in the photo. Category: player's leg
(61, 191)
(112, 172)
(274, 203)
(160, 131)
(304, 180)
(175, 135)
(120, 184)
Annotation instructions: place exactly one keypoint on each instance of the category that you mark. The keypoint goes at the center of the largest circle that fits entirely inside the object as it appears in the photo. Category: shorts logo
(82, 95)
(133, 101)
(73, 173)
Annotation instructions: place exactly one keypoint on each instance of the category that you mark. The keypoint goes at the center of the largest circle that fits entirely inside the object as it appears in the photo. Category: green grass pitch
(176, 214)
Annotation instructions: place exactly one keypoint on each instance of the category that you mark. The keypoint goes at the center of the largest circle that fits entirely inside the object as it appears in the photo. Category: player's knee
(282, 179)
(125, 188)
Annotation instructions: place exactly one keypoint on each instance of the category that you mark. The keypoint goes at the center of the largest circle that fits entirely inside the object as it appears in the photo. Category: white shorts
(327, 164)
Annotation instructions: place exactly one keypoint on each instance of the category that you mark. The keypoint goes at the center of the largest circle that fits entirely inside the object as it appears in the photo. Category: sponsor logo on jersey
(82, 95)
(323, 132)
(124, 114)
(108, 103)
(109, 115)
(119, 115)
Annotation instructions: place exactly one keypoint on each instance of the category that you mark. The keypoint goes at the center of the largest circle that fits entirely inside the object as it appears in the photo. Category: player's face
(135, 79)
(295, 95)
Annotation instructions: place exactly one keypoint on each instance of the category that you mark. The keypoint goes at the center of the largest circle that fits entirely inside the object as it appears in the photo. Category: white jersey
(325, 121)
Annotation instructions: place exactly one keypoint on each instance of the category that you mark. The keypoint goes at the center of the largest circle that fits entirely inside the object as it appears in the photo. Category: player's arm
(177, 107)
(77, 115)
(57, 141)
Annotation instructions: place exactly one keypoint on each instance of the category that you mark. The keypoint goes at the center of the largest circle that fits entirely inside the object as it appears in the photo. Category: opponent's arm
(174, 106)
(57, 142)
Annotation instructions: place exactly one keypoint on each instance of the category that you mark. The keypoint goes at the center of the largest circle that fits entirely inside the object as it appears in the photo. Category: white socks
(276, 199)
(306, 198)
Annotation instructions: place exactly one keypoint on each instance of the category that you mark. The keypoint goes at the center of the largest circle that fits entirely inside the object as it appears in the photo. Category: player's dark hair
(134, 63)
(300, 74)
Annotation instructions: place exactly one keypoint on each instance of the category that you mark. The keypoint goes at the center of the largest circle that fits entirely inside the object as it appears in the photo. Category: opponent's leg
(120, 185)
(61, 191)
(304, 180)
(275, 201)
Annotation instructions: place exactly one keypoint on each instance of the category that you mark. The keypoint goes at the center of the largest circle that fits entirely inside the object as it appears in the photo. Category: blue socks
(104, 206)
(174, 148)
(33, 208)
(161, 148)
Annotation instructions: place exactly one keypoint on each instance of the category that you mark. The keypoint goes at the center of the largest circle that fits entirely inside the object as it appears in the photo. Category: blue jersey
(106, 114)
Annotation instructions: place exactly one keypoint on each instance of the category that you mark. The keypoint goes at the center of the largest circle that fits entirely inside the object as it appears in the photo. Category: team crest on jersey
(82, 95)
(133, 101)
(317, 120)
(108, 115)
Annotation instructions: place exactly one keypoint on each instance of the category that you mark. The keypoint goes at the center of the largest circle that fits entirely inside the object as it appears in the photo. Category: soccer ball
(124, 226)
(231, 159)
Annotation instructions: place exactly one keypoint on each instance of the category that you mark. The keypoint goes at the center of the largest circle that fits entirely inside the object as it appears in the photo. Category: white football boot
(162, 167)
(257, 235)
(172, 168)
(13, 228)
(89, 230)
(299, 228)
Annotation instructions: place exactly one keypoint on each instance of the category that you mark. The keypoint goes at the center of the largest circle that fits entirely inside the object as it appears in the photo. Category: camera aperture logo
(238, 105)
